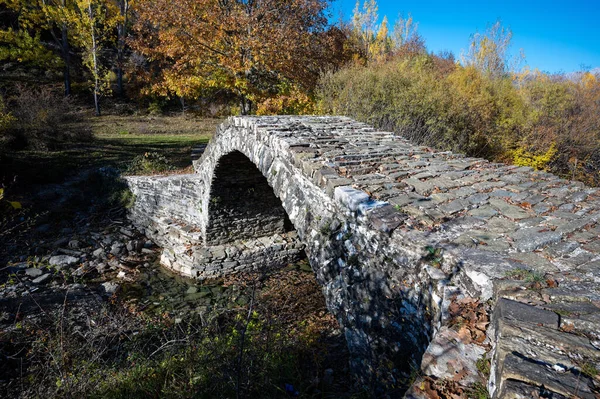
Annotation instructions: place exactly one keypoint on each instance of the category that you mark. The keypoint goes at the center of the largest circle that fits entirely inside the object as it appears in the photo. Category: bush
(419, 98)
(290, 101)
(6, 120)
(149, 163)
(38, 118)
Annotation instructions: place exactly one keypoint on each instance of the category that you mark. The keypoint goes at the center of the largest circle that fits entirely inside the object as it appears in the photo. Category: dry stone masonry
(402, 239)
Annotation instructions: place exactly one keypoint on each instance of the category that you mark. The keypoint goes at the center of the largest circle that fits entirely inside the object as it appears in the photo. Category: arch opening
(242, 204)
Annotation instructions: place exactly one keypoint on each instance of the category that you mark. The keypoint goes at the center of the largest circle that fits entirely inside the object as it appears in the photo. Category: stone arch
(242, 204)
(241, 149)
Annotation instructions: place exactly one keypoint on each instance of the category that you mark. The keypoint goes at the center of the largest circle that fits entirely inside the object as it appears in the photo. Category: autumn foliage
(484, 106)
(286, 57)
(244, 48)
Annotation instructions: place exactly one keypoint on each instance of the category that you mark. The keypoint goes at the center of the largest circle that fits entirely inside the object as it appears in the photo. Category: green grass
(478, 391)
(117, 140)
(529, 276)
(484, 366)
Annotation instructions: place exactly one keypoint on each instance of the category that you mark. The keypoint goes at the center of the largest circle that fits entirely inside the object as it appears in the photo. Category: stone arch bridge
(407, 243)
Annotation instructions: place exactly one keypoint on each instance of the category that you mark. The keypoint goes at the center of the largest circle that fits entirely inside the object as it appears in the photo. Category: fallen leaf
(479, 336)
(464, 335)
(482, 325)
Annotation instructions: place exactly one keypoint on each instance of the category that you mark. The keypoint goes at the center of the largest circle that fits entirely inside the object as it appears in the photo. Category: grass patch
(484, 366)
(529, 276)
(478, 391)
(149, 163)
(590, 370)
(172, 137)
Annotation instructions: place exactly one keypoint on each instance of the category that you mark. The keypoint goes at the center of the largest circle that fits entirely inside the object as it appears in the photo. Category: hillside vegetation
(530, 119)
(268, 57)
(481, 106)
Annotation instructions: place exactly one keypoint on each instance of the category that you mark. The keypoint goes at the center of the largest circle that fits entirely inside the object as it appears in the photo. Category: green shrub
(149, 163)
(450, 109)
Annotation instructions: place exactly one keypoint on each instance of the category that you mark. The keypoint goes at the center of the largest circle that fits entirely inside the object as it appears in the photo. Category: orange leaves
(244, 48)
(470, 318)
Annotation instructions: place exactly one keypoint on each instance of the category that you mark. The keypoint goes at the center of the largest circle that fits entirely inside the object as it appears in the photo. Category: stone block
(566, 383)
(448, 357)
(520, 312)
(350, 197)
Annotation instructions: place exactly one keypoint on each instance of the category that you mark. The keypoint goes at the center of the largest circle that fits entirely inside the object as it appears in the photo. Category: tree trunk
(122, 33)
(182, 102)
(66, 59)
(95, 62)
(96, 102)
(245, 105)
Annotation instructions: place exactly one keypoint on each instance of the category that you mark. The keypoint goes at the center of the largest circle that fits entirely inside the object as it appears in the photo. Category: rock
(512, 310)
(70, 252)
(519, 390)
(99, 253)
(117, 249)
(126, 232)
(63, 260)
(530, 239)
(109, 287)
(385, 219)
(483, 212)
(33, 272)
(75, 244)
(454, 206)
(61, 242)
(448, 357)
(567, 384)
(121, 274)
(101, 267)
(44, 228)
(350, 197)
(42, 279)
(192, 290)
(510, 211)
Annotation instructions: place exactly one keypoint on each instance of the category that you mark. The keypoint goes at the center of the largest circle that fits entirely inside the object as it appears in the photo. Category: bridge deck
(507, 222)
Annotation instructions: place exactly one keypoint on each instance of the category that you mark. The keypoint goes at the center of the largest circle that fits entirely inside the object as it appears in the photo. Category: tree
(244, 47)
(405, 37)
(35, 17)
(122, 33)
(488, 52)
(93, 22)
(364, 26)
(382, 43)
(21, 46)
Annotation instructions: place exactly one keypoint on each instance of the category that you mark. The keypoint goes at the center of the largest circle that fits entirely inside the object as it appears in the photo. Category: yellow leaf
(15, 204)
(1, 193)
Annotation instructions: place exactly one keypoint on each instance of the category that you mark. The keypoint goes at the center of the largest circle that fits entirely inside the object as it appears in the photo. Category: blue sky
(556, 36)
